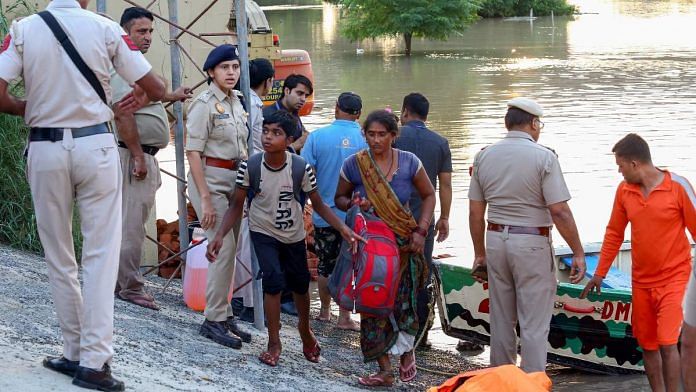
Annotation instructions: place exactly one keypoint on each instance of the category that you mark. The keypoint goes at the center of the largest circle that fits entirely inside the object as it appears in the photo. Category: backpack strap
(254, 172)
(299, 166)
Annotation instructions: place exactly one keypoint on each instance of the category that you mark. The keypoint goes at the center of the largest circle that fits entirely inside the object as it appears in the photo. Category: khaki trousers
(522, 286)
(85, 170)
(138, 199)
(221, 184)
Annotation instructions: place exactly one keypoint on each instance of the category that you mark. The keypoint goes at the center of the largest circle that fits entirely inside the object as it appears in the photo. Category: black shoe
(247, 315)
(61, 365)
(237, 305)
(218, 332)
(234, 328)
(288, 308)
(101, 380)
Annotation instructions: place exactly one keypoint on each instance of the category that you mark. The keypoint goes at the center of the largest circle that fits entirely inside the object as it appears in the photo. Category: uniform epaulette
(550, 149)
(205, 96)
(238, 93)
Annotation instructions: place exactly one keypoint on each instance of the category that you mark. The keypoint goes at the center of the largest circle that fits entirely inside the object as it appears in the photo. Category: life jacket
(367, 282)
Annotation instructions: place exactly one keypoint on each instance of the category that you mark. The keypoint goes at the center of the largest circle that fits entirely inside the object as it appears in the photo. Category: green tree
(434, 19)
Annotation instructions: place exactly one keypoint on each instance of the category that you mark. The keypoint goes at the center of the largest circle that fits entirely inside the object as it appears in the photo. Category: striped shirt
(660, 250)
(275, 211)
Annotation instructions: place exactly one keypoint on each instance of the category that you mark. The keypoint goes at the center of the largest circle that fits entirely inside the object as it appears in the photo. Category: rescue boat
(592, 334)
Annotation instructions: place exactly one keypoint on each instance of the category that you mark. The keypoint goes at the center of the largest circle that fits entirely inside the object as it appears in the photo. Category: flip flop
(269, 358)
(409, 372)
(375, 380)
(144, 300)
(312, 353)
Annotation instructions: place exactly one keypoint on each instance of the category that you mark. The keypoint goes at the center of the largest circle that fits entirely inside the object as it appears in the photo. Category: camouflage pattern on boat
(593, 334)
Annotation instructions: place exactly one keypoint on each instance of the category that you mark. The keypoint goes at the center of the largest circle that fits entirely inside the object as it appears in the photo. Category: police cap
(221, 53)
(527, 105)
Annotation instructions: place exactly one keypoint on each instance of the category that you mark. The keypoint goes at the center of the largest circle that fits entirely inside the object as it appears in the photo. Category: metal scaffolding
(176, 31)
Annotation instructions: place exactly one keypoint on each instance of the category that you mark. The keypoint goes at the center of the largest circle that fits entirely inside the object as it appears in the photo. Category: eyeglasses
(539, 123)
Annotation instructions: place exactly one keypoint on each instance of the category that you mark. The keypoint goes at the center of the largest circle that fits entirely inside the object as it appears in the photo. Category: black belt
(39, 134)
(146, 149)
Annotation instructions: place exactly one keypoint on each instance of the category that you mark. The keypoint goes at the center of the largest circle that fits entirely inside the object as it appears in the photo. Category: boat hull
(592, 334)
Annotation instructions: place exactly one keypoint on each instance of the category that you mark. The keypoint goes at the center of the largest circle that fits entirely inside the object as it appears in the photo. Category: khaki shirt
(56, 92)
(216, 125)
(518, 179)
(152, 120)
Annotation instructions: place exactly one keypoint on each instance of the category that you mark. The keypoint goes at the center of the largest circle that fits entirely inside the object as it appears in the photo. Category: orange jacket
(660, 251)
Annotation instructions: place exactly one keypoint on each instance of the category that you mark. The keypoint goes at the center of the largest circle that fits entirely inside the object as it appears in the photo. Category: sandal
(312, 353)
(269, 358)
(377, 380)
(145, 300)
(408, 373)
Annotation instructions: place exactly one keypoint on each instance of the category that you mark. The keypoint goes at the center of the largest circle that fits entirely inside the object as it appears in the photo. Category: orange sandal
(408, 373)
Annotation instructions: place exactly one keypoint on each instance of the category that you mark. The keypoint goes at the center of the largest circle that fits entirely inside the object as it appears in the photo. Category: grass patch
(18, 223)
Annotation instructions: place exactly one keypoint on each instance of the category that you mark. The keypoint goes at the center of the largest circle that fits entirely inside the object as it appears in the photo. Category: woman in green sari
(383, 178)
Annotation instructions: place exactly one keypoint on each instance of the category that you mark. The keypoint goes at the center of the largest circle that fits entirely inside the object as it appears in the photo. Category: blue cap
(221, 53)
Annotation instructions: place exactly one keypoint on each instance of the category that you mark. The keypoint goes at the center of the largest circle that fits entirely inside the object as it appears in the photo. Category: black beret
(221, 53)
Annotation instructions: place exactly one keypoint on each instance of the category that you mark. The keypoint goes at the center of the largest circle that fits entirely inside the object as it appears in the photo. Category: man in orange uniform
(659, 205)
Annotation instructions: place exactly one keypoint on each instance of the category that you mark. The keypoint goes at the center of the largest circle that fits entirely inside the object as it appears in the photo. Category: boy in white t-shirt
(276, 228)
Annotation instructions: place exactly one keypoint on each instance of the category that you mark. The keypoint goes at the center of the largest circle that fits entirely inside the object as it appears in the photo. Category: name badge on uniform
(223, 116)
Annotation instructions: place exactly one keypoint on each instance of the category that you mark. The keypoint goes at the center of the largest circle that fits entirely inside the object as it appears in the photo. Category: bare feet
(349, 325)
(271, 356)
(324, 314)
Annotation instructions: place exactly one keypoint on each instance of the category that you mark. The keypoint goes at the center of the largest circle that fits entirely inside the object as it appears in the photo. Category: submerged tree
(434, 19)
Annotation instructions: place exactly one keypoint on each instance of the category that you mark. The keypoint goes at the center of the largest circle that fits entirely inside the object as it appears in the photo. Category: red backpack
(368, 281)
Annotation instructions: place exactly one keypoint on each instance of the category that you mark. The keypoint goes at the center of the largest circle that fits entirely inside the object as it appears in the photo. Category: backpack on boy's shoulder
(298, 171)
(367, 282)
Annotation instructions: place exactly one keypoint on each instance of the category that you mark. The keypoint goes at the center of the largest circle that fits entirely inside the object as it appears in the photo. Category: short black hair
(293, 80)
(285, 120)
(132, 13)
(417, 104)
(633, 147)
(384, 117)
(515, 117)
(260, 70)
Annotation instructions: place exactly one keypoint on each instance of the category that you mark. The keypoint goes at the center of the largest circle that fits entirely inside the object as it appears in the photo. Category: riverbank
(159, 351)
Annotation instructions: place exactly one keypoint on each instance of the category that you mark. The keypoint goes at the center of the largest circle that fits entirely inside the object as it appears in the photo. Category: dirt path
(162, 351)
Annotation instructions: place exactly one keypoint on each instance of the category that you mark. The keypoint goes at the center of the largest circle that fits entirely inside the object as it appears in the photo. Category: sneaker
(234, 328)
(101, 380)
(218, 332)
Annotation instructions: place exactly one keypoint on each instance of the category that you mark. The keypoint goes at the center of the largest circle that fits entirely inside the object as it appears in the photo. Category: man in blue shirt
(433, 150)
(326, 149)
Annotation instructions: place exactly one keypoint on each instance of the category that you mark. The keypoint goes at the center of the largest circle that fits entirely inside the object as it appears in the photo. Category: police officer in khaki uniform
(73, 157)
(522, 184)
(216, 144)
(140, 136)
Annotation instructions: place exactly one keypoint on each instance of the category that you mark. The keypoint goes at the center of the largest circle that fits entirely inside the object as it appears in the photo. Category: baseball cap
(349, 102)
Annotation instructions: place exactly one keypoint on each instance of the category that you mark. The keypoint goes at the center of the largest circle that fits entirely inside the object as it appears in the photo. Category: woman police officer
(216, 143)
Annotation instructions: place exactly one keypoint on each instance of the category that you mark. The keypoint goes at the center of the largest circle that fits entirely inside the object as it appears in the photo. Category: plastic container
(196, 275)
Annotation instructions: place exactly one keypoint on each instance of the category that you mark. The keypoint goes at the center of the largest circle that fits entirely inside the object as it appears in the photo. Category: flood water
(621, 66)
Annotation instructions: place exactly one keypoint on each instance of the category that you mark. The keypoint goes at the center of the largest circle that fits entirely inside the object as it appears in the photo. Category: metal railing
(176, 31)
